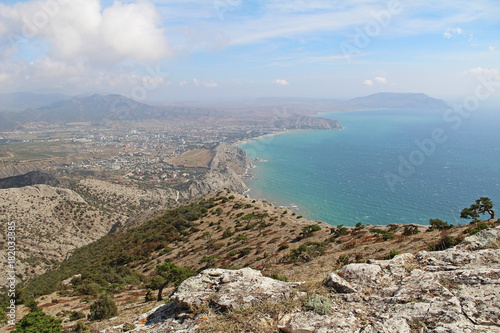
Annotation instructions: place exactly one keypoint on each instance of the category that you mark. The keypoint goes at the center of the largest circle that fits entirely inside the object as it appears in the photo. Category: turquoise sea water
(373, 171)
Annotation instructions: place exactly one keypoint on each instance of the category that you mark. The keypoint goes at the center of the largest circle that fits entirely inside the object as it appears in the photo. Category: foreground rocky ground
(455, 290)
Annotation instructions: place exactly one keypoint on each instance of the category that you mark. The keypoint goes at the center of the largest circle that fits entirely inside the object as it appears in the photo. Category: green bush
(309, 230)
(241, 238)
(410, 230)
(444, 243)
(149, 297)
(76, 315)
(36, 321)
(386, 235)
(391, 254)
(343, 259)
(307, 252)
(103, 308)
(438, 224)
(81, 327)
(320, 304)
(338, 231)
(278, 277)
(477, 228)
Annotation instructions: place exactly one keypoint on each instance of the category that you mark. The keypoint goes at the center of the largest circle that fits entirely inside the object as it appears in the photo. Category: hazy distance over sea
(386, 166)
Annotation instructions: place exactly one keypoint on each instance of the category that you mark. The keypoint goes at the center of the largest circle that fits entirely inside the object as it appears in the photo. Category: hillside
(223, 230)
(31, 178)
(53, 221)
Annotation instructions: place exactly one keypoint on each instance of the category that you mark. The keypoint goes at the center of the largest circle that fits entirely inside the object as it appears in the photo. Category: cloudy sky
(175, 50)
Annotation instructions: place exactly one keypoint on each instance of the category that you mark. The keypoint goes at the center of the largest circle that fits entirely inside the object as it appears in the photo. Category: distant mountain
(20, 101)
(99, 110)
(375, 101)
(397, 100)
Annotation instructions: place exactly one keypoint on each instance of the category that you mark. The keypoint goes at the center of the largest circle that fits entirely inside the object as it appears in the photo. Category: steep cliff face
(226, 168)
(216, 180)
(226, 155)
(306, 122)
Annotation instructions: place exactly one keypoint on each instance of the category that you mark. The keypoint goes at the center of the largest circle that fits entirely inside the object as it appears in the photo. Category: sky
(228, 50)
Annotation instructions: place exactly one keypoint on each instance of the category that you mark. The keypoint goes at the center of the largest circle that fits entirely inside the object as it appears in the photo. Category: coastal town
(154, 156)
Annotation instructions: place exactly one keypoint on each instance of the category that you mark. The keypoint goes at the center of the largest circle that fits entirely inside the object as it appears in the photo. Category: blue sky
(196, 50)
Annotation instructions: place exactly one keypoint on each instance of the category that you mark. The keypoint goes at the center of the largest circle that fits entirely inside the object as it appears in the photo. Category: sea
(385, 166)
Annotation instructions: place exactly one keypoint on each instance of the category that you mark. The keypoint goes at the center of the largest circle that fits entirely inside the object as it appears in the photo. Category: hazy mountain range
(99, 109)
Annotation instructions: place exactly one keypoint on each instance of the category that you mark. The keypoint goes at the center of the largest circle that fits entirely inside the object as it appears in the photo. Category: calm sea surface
(386, 166)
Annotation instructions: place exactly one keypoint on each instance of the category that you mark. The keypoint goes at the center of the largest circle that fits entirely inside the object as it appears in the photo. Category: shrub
(307, 252)
(37, 321)
(338, 231)
(391, 254)
(309, 230)
(410, 230)
(103, 308)
(343, 259)
(128, 327)
(210, 260)
(386, 235)
(149, 297)
(76, 315)
(320, 304)
(227, 233)
(276, 276)
(444, 243)
(477, 228)
(359, 226)
(81, 327)
(240, 238)
(438, 224)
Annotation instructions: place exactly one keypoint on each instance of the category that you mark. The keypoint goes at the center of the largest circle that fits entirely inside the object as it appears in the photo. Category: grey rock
(338, 284)
(227, 289)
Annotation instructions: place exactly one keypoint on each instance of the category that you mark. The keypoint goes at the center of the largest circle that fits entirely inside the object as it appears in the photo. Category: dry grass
(260, 318)
(197, 158)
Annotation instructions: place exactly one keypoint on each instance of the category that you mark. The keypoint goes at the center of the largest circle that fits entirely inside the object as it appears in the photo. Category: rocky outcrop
(456, 290)
(226, 155)
(225, 170)
(219, 289)
(306, 122)
(215, 180)
(226, 289)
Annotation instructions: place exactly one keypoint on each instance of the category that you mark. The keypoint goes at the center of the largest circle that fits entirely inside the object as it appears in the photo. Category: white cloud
(491, 48)
(210, 84)
(376, 80)
(206, 84)
(82, 28)
(453, 32)
(485, 72)
(281, 82)
(183, 83)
